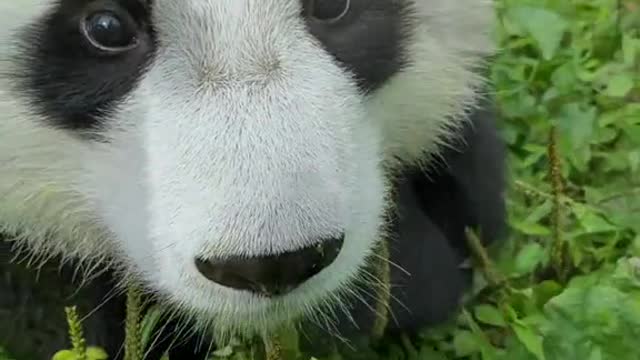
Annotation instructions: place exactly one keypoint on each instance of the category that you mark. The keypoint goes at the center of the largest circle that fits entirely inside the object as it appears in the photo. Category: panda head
(233, 155)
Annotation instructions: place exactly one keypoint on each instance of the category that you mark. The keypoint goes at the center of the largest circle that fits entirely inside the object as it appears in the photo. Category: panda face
(230, 154)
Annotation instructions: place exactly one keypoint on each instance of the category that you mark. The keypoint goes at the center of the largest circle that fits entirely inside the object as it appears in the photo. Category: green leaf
(149, 323)
(619, 85)
(576, 122)
(545, 291)
(630, 49)
(489, 315)
(465, 343)
(540, 212)
(289, 342)
(65, 355)
(529, 228)
(530, 339)
(592, 222)
(546, 27)
(597, 315)
(529, 257)
(96, 353)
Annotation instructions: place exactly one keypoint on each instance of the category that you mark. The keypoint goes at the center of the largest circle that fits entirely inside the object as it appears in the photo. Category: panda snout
(271, 275)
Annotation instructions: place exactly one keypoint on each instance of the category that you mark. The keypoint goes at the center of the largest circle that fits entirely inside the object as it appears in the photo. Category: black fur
(71, 86)
(370, 41)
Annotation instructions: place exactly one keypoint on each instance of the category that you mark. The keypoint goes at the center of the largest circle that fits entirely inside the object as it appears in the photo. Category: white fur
(239, 140)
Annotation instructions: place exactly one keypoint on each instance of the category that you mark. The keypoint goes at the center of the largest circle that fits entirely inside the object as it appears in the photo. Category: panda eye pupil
(108, 31)
(329, 10)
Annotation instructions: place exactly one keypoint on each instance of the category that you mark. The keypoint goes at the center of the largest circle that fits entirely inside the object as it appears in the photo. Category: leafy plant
(567, 283)
(4, 355)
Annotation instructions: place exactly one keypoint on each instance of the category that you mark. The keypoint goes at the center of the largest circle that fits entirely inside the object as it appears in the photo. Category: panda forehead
(69, 89)
(369, 42)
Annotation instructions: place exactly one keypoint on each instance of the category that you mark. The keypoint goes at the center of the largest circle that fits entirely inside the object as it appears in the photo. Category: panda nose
(272, 275)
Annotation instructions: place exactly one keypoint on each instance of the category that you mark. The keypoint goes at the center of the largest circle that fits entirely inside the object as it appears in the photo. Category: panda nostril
(272, 275)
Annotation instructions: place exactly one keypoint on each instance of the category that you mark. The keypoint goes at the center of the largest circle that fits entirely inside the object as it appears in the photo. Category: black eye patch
(75, 83)
(63, 72)
(370, 40)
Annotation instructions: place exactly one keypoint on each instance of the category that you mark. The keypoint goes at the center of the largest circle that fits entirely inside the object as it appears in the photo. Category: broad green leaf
(529, 258)
(530, 339)
(620, 85)
(546, 27)
(489, 315)
(545, 291)
(65, 355)
(96, 353)
(577, 123)
(630, 49)
(591, 221)
(465, 343)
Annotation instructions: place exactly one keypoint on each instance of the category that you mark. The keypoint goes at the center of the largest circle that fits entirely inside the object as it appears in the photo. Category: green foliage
(92, 353)
(4, 355)
(79, 350)
(567, 285)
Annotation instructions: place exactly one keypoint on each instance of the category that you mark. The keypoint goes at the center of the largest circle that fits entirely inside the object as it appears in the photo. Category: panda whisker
(374, 281)
(364, 302)
(113, 293)
(342, 304)
(387, 260)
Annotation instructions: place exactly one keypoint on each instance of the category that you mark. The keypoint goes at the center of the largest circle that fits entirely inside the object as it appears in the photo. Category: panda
(244, 160)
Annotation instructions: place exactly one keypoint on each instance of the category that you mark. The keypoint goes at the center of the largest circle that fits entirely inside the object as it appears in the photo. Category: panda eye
(110, 31)
(329, 10)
